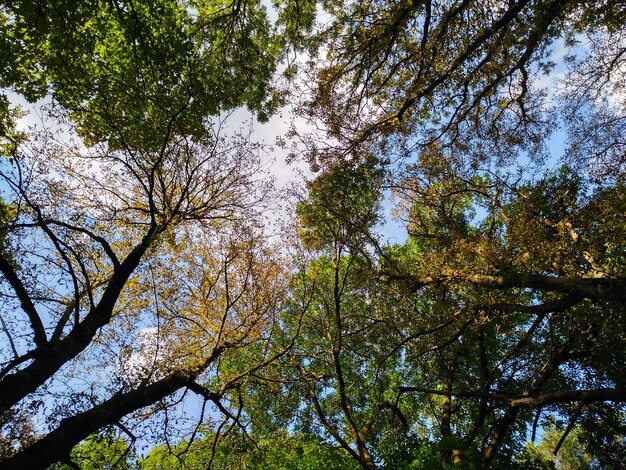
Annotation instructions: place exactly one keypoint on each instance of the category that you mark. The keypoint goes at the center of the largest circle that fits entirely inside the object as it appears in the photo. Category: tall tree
(94, 261)
(539, 292)
(131, 267)
(508, 293)
(458, 72)
(428, 341)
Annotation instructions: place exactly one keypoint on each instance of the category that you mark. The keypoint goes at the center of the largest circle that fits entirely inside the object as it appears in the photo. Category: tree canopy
(145, 302)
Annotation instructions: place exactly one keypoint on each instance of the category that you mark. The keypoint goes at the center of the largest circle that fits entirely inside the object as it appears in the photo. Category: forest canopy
(150, 316)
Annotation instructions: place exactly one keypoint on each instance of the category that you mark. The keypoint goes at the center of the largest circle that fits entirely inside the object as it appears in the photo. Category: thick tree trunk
(367, 461)
(50, 357)
(499, 434)
(57, 445)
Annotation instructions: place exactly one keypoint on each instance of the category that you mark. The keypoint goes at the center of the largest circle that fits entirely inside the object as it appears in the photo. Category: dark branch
(25, 300)
(617, 395)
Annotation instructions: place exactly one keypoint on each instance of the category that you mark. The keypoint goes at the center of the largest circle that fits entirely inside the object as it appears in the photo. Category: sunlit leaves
(343, 205)
(133, 73)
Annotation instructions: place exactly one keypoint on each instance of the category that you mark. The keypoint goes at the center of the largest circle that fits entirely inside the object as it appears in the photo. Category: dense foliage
(149, 320)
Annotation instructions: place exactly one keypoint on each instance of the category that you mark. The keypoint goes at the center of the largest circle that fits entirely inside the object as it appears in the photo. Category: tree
(506, 301)
(132, 73)
(531, 334)
(461, 357)
(399, 75)
(102, 258)
(524, 282)
(343, 206)
(340, 378)
(126, 226)
(459, 341)
(454, 350)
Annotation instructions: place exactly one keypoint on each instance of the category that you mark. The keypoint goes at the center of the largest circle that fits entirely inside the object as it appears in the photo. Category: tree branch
(617, 395)
(25, 300)
(57, 445)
